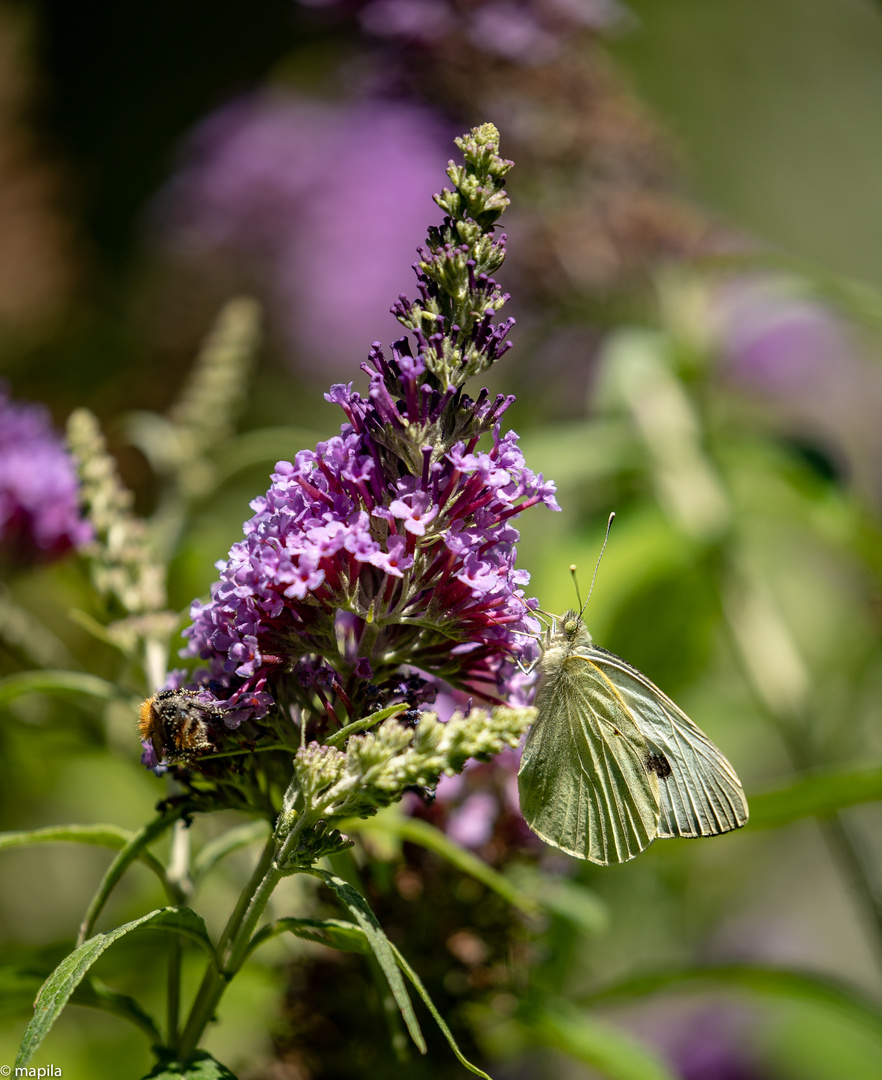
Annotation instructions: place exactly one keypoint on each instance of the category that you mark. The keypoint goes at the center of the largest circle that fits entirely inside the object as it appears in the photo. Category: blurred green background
(695, 261)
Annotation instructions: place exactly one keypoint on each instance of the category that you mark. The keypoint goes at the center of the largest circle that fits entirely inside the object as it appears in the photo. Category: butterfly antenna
(576, 583)
(596, 567)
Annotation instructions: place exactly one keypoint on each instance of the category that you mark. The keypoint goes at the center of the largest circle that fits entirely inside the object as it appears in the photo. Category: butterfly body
(611, 763)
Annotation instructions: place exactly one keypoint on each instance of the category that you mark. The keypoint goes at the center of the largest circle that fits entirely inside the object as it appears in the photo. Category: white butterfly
(611, 763)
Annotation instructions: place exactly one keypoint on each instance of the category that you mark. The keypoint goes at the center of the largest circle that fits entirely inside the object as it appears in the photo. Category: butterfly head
(572, 629)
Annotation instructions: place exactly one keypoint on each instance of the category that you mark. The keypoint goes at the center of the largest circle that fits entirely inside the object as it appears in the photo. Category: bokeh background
(695, 263)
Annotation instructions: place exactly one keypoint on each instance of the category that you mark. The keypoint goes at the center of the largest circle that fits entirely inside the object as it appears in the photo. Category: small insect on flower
(178, 724)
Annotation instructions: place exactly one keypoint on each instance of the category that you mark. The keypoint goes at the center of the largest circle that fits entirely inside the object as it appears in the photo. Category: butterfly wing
(702, 795)
(583, 783)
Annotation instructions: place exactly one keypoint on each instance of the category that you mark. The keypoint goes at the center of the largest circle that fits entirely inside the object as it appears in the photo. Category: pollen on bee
(148, 721)
(177, 724)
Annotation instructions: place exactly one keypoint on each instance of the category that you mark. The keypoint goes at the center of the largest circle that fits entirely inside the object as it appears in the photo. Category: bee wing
(583, 784)
(702, 796)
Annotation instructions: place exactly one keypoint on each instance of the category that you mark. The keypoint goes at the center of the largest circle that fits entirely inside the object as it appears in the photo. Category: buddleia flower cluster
(39, 513)
(380, 566)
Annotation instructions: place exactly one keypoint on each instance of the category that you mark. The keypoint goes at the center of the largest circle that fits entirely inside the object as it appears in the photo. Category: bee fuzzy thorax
(178, 725)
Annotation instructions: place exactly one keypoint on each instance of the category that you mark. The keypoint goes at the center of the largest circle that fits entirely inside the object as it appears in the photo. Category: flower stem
(232, 948)
(173, 1004)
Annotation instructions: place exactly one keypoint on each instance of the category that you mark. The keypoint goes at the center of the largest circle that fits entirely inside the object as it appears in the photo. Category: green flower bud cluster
(375, 769)
(452, 317)
(122, 564)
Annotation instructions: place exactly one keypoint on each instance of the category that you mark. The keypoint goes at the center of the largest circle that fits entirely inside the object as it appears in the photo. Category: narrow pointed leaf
(433, 839)
(340, 737)
(361, 911)
(819, 795)
(346, 936)
(334, 933)
(609, 1051)
(109, 836)
(231, 840)
(132, 851)
(786, 983)
(439, 1020)
(55, 682)
(58, 988)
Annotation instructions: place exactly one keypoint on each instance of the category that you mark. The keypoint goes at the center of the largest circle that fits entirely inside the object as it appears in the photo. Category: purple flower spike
(387, 553)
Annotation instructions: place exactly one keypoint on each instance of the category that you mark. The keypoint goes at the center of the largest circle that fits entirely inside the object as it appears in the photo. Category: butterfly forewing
(583, 782)
(701, 795)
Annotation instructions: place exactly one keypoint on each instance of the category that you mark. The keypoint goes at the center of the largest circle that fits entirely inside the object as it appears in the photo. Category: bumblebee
(179, 726)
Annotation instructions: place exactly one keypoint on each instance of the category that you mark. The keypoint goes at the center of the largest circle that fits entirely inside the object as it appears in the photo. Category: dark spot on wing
(658, 764)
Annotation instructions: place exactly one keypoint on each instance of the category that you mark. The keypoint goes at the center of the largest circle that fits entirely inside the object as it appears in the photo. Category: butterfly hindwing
(701, 794)
(584, 785)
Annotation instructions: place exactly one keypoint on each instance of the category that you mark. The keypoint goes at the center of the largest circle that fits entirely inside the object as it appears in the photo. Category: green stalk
(173, 1002)
(232, 948)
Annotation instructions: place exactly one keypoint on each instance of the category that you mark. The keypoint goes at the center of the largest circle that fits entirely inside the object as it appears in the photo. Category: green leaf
(334, 933)
(821, 794)
(201, 1066)
(595, 1043)
(231, 840)
(58, 988)
(346, 936)
(361, 911)
(431, 838)
(56, 682)
(261, 447)
(19, 984)
(134, 849)
(577, 453)
(94, 994)
(785, 983)
(109, 836)
(439, 1020)
(340, 737)
(563, 898)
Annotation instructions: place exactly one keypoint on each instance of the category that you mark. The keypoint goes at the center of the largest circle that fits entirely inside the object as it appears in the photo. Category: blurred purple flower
(39, 516)
(422, 21)
(514, 31)
(776, 339)
(479, 807)
(706, 1041)
(472, 823)
(522, 31)
(319, 203)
